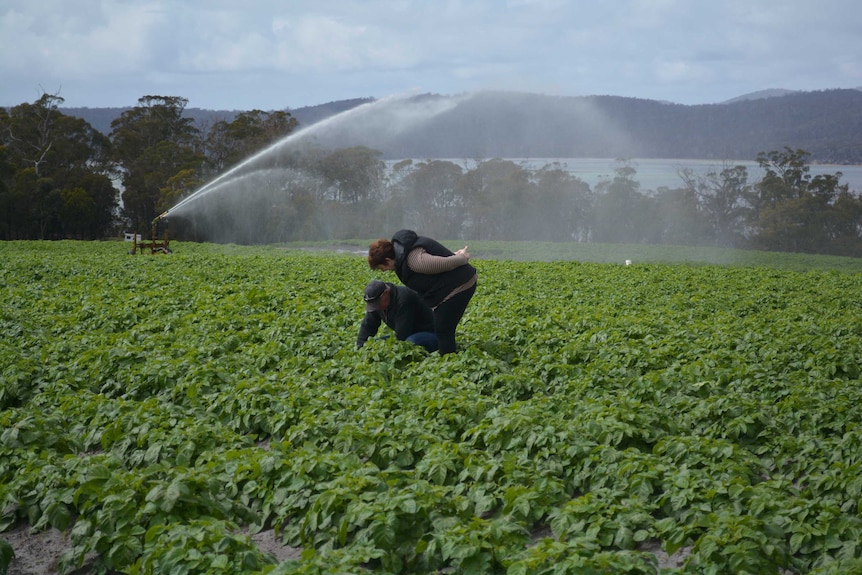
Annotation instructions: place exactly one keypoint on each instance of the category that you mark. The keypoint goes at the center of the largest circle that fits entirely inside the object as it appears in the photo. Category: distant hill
(827, 123)
(759, 95)
(101, 118)
(312, 114)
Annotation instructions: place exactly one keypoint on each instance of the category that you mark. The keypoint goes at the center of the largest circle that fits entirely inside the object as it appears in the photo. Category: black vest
(432, 287)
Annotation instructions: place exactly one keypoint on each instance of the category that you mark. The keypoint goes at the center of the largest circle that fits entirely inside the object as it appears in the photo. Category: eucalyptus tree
(561, 208)
(722, 202)
(677, 219)
(432, 199)
(153, 143)
(52, 160)
(621, 213)
(354, 175)
(354, 180)
(229, 143)
(846, 225)
(10, 208)
(796, 212)
(496, 194)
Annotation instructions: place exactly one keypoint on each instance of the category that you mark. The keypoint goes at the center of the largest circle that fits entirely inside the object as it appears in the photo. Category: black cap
(373, 291)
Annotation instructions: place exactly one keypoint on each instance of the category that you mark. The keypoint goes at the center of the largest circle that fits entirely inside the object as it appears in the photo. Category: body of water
(656, 173)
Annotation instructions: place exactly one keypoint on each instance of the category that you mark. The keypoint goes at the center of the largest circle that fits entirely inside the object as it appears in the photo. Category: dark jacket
(432, 287)
(407, 314)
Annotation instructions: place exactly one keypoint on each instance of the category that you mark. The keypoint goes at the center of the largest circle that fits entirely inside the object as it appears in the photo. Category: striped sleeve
(422, 262)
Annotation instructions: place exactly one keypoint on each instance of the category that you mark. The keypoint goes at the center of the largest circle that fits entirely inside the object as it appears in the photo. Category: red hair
(379, 252)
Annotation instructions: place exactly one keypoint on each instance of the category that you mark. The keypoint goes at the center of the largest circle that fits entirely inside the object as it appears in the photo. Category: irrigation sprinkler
(155, 245)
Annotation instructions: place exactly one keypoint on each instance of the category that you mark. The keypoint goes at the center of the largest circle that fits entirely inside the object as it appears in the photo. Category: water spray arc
(386, 117)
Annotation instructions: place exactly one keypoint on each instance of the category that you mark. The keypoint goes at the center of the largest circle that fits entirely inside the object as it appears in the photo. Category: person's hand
(463, 252)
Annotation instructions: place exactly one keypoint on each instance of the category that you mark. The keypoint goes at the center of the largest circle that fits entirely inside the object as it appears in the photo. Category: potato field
(599, 418)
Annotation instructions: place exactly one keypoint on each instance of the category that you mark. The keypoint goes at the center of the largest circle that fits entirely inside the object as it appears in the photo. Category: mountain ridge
(761, 94)
(825, 123)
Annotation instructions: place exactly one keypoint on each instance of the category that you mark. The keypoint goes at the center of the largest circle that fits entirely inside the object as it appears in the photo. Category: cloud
(62, 40)
(270, 54)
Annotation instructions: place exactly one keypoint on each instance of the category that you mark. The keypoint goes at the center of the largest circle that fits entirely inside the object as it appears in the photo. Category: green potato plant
(595, 413)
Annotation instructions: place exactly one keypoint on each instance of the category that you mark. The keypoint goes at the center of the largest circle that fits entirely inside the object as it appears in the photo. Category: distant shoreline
(654, 173)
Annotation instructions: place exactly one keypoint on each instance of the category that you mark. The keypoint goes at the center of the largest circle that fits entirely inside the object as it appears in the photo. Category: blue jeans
(424, 338)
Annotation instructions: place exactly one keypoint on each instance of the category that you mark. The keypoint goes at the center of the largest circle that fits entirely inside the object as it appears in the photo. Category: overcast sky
(277, 54)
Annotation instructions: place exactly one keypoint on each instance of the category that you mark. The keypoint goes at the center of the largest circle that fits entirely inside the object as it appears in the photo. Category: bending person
(401, 309)
(444, 279)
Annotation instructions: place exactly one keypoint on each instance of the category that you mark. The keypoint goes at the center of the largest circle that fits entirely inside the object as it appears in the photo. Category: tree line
(60, 178)
(490, 124)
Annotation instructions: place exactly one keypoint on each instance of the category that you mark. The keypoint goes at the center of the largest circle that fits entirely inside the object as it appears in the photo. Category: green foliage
(228, 143)
(580, 555)
(54, 174)
(159, 409)
(200, 546)
(153, 142)
(797, 212)
(6, 556)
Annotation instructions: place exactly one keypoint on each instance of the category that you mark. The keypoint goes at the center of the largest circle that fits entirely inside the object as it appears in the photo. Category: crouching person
(401, 309)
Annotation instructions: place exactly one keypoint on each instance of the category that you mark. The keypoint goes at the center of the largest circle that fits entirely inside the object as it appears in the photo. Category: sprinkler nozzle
(162, 215)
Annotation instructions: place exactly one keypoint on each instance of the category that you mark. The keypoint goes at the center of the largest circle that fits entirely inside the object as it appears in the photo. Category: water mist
(369, 125)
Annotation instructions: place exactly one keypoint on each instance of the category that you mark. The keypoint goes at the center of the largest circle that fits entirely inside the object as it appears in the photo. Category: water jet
(367, 124)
